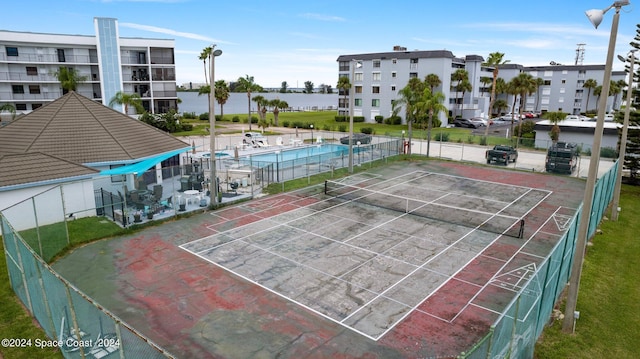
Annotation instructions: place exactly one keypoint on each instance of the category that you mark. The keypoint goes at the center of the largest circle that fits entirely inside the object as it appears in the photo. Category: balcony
(49, 58)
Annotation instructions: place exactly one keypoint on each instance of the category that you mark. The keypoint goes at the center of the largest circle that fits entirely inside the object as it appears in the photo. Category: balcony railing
(49, 58)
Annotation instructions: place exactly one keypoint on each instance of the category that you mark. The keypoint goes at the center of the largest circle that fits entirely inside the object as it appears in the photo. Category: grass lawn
(608, 299)
(325, 121)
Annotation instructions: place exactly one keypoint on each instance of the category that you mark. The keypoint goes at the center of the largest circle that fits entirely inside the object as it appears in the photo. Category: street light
(623, 138)
(311, 133)
(353, 64)
(595, 16)
(212, 125)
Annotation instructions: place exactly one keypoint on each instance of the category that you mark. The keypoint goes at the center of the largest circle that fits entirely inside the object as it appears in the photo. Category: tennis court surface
(409, 260)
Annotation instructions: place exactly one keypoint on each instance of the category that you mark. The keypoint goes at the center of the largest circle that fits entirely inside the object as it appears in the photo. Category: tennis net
(477, 220)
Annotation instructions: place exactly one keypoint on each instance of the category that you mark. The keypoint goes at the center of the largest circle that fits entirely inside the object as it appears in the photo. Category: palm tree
(555, 117)
(597, 91)
(7, 107)
(69, 78)
(485, 81)
(344, 85)
(126, 99)
(512, 89)
(433, 81)
(464, 87)
(526, 85)
(262, 104)
(246, 84)
(590, 84)
(500, 104)
(221, 94)
(277, 105)
(431, 104)
(409, 97)
(204, 56)
(539, 83)
(495, 60)
(460, 75)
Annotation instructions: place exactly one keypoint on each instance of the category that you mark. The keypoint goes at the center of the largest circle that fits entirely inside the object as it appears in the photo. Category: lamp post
(212, 125)
(352, 90)
(595, 16)
(311, 133)
(615, 209)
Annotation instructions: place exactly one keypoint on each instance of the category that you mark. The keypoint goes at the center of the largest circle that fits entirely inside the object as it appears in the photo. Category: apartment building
(109, 63)
(378, 78)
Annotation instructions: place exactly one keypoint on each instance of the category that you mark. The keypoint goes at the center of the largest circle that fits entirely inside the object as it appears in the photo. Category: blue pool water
(318, 152)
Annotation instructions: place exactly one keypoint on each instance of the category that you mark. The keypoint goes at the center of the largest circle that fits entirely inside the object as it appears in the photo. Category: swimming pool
(325, 151)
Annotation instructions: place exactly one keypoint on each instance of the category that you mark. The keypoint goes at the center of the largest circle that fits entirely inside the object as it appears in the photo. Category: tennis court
(413, 259)
(370, 250)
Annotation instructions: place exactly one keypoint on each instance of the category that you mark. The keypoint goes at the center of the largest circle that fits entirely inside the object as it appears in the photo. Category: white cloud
(321, 17)
(172, 32)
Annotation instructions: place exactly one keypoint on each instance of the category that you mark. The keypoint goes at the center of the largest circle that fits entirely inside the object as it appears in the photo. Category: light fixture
(354, 64)
(595, 16)
(623, 137)
(213, 187)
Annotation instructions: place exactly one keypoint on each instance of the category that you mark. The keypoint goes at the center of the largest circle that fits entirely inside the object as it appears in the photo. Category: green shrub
(342, 128)
(608, 152)
(297, 124)
(219, 118)
(367, 130)
(483, 140)
(285, 123)
(441, 136)
(341, 118)
(393, 120)
(327, 128)
(379, 119)
(254, 119)
(235, 119)
(358, 118)
(204, 116)
(471, 139)
(189, 115)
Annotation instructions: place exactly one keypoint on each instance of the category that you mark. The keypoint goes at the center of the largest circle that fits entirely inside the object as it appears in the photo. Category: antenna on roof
(580, 54)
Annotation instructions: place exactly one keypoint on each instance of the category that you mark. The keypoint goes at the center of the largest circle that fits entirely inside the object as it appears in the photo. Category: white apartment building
(109, 62)
(378, 78)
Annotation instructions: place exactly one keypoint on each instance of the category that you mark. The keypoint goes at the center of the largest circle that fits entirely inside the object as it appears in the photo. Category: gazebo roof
(83, 131)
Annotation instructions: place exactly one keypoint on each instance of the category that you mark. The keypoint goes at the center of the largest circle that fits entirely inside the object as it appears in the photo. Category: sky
(298, 41)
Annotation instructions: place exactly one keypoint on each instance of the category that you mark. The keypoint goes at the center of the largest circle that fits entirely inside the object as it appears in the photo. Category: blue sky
(298, 41)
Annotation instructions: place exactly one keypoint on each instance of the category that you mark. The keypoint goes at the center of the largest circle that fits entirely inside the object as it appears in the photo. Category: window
(357, 102)
(375, 89)
(21, 107)
(564, 81)
(376, 63)
(117, 178)
(562, 90)
(17, 89)
(375, 76)
(12, 51)
(358, 89)
(375, 102)
(61, 57)
(344, 66)
(357, 76)
(32, 71)
(548, 73)
(394, 61)
(393, 74)
(547, 82)
(393, 87)
(561, 99)
(34, 89)
(413, 75)
(414, 61)
(35, 105)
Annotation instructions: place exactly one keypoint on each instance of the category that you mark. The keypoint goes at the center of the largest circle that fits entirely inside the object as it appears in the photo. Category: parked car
(572, 118)
(501, 154)
(479, 121)
(508, 117)
(363, 138)
(463, 122)
(562, 157)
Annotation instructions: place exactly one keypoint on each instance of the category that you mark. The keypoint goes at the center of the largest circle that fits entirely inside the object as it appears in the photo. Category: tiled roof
(34, 167)
(81, 130)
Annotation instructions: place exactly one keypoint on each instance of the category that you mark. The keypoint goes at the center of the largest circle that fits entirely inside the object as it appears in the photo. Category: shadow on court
(410, 260)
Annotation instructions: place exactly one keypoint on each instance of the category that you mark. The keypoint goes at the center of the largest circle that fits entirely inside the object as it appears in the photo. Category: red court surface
(212, 300)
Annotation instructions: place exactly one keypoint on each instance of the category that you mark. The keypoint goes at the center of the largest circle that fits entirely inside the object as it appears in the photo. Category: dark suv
(562, 157)
(463, 122)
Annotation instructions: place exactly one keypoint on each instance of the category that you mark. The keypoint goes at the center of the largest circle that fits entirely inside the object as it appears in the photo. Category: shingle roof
(398, 55)
(23, 168)
(81, 130)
